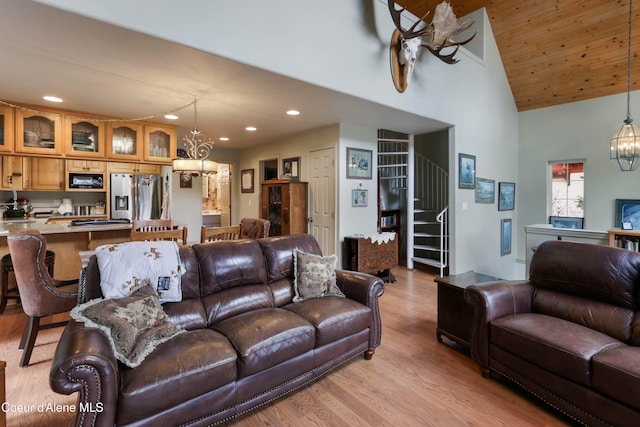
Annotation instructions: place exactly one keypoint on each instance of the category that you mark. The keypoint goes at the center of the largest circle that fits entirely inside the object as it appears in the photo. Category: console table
(373, 257)
(454, 314)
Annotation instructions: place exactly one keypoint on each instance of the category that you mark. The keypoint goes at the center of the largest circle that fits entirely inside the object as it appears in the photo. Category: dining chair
(40, 294)
(255, 228)
(158, 229)
(231, 232)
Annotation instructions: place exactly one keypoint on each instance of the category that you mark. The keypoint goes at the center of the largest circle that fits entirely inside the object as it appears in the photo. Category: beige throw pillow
(135, 325)
(315, 276)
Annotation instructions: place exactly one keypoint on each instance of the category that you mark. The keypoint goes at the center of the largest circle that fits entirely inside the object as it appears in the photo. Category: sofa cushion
(599, 272)
(314, 277)
(227, 264)
(278, 253)
(265, 337)
(191, 365)
(333, 317)
(603, 317)
(616, 373)
(135, 325)
(557, 345)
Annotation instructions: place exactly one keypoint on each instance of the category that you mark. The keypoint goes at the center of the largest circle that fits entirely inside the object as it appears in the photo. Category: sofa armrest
(84, 362)
(490, 302)
(366, 289)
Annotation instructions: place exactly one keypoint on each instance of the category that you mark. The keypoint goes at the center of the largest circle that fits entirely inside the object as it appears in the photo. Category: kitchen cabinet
(6, 129)
(124, 141)
(86, 166)
(38, 133)
(84, 138)
(284, 203)
(159, 144)
(16, 173)
(143, 168)
(47, 174)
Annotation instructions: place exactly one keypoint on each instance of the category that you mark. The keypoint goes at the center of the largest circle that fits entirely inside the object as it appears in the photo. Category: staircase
(426, 184)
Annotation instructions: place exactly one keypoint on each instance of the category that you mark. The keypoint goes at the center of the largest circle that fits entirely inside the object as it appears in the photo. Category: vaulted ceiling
(557, 51)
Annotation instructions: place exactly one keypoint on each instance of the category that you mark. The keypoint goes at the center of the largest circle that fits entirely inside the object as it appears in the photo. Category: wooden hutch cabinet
(284, 203)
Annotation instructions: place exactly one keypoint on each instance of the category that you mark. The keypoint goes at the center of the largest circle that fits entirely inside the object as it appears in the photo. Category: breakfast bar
(67, 240)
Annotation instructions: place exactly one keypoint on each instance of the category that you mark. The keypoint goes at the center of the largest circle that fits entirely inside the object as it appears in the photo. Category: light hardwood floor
(412, 379)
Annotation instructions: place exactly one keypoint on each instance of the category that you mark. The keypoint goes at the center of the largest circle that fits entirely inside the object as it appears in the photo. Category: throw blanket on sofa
(124, 266)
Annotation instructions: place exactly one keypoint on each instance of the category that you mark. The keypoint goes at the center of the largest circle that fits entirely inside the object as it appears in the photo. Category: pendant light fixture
(198, 148)
(625, 144)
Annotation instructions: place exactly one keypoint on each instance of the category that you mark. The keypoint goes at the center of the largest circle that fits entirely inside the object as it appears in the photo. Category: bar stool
(7, 267)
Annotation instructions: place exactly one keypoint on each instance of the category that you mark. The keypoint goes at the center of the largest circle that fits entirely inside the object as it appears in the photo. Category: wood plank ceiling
(559, 51)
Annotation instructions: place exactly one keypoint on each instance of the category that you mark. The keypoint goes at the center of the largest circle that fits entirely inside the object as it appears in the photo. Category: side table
(454, 315)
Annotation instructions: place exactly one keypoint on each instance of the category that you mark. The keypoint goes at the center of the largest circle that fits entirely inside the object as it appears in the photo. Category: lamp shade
(625, 146)
(195, 166)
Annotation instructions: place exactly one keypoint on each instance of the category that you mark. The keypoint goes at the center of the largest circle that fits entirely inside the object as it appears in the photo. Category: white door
(322, 198)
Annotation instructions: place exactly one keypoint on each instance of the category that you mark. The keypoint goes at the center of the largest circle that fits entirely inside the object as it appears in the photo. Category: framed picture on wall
(485, 190)
(291, 168)
(466, 171)
(505, 237)
(360, 197)
(359, 163)
(246, 181)
(506, 196)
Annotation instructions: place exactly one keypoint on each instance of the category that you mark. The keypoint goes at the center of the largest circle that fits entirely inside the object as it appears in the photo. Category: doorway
(216, 194)
(322, 198)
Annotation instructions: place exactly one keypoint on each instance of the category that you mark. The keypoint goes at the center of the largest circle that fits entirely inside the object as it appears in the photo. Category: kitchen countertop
(40, 224)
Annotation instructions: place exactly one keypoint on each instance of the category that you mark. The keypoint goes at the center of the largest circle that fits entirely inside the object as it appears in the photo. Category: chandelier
(197, 148)
(625, 144)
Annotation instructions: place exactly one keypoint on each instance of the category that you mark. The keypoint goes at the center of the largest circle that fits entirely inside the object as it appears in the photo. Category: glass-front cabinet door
(6, 129)
(124, 141)
(159, 144)
(38, 133)
(84, 138)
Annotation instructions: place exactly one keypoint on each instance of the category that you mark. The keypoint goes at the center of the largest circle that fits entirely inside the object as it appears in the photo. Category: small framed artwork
(627, 210)
(246, 181)
(505, 237)
(360, 197)
(186, 180)
(291, 168)
(506, 196)
(566, 222)
(485, 190)
(466, 171)
(359, 163)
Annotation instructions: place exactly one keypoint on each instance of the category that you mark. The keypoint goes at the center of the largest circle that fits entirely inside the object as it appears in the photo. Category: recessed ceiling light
(52, 98)
(251, 128)
(224, 138)
(171, 116)
(293, 112)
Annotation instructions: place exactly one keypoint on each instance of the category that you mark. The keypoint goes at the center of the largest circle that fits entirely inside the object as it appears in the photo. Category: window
(567, 189)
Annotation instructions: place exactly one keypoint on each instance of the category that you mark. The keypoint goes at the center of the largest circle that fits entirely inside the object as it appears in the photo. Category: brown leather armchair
(255, 228)
(40, 294)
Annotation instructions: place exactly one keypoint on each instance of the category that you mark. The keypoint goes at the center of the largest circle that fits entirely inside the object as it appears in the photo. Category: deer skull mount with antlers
(405, 43)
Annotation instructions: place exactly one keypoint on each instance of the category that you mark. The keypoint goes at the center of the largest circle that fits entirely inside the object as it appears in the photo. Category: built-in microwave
(86, 180)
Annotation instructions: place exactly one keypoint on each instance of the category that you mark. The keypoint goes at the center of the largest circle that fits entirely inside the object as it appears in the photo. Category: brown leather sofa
(233, 291)
(570, 335)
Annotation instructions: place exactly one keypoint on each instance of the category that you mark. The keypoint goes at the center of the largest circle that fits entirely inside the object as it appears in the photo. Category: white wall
(579, 130)
(343, 45)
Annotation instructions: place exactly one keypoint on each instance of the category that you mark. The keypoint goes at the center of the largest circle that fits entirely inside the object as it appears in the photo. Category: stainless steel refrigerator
(136, 196)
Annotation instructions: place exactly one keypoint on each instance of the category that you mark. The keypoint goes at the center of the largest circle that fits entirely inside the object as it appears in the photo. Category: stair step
(429, 261)
(393, 177)
(427, 248)
(430, 235)
(393, 165)
(417, 222)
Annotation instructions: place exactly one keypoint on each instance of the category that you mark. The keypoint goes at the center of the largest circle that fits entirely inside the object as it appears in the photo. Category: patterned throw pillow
(135, 324)
(315, 276)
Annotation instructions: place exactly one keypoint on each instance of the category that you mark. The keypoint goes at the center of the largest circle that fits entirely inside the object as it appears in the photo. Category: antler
(445, 26)
(410, 33)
